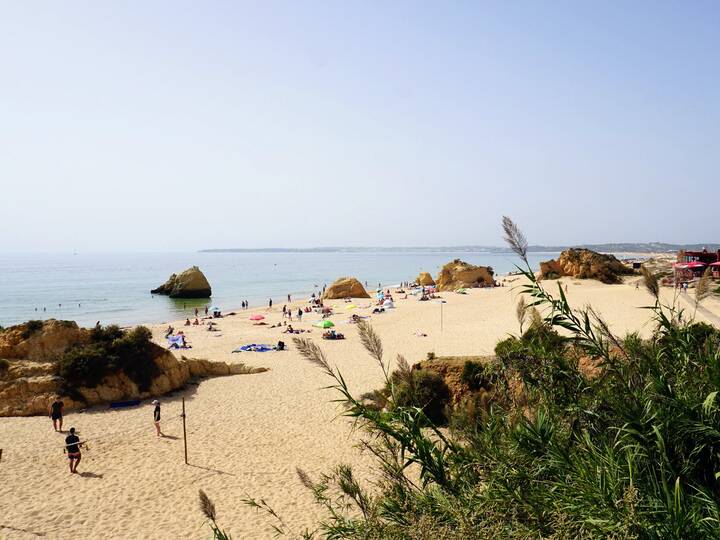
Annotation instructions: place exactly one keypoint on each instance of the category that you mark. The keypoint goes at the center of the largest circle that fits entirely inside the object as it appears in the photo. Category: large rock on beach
(345, 287)
(425, 279)
(585, 264)
(459, 274)
(29, 380)
(191, 283)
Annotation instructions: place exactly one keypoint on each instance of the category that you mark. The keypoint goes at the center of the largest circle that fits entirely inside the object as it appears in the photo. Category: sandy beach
(248, 433)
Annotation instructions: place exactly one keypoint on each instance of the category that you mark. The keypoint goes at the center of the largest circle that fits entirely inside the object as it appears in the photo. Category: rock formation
(458, 274)
(585, 264)
(425, 279)
(29, 381)
(191, 283)
(345, 287)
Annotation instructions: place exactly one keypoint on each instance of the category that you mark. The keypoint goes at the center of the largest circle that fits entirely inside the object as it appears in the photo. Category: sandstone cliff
(30, 379)
(345, 287)
(585, 264)
(457, 274)
(191, 283)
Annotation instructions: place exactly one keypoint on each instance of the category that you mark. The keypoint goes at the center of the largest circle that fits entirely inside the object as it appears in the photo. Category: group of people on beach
(72, 441)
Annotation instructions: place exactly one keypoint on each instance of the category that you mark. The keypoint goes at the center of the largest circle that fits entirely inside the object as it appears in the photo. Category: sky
(166, 126)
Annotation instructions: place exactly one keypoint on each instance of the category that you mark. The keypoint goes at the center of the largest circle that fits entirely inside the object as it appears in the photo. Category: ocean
(115, 288)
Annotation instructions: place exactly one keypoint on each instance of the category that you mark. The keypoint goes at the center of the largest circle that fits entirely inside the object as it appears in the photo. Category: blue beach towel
(254, 347)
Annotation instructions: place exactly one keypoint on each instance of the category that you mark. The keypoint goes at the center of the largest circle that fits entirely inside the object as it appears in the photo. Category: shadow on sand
(211, 469)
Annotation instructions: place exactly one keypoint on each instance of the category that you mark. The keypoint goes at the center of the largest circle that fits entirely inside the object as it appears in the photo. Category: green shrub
(105, 334)
(426, 390)
(478, 375)
(84, 366)
(30, 328)
(110, 351)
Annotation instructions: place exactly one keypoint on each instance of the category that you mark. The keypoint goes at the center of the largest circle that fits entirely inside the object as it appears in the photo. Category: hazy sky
(184, 125)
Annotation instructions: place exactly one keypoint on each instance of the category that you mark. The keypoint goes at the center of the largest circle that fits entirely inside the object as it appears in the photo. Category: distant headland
(627, 247)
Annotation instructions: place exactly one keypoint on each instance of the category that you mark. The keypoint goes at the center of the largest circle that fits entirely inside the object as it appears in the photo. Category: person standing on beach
(56, 413)
(299, 315)
(270, 302)
(196, 312)
(72, 447)
(289, 299)
(206, 310)
(156, 417)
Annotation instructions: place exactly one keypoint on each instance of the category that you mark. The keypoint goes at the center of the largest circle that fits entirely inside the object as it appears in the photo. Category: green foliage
(477, 375)
(31, 327)
(110, 351)
(425, 390)
(105, 334)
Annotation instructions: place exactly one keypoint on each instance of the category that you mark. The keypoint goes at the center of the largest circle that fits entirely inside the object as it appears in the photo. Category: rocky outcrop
(345, 287)
(191, 283)
(458, 274)
(41, 340)
(425, 279)
(585, 264)
(29, 382)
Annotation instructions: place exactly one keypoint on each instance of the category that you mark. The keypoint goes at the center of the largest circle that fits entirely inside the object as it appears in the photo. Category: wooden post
(184, 431)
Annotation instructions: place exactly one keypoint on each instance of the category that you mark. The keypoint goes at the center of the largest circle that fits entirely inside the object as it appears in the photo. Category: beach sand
(248, 433)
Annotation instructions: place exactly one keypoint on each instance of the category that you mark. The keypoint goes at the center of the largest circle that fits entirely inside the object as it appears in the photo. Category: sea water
(115, 288)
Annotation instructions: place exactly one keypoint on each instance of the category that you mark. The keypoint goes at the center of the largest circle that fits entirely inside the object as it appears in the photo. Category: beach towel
(176, 341)
(254, 347)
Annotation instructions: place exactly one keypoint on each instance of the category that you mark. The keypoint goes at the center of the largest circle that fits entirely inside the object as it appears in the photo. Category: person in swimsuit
(72, 447)
(56, 413)
(156, 417)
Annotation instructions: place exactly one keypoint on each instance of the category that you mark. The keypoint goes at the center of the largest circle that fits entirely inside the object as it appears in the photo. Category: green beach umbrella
(325, 324)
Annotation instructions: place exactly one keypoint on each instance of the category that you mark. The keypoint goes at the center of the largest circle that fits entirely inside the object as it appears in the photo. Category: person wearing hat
(72, 447)
(156, 417)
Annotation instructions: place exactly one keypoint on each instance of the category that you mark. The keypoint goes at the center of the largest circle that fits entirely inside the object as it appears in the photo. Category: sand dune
(247, 433)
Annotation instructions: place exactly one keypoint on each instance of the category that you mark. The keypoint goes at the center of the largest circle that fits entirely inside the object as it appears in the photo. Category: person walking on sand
(196, 312)
(284, 310)
(156, 417)
(206, 310)
(56, 413)
(72, 447)
(270, 302)
(299, 315)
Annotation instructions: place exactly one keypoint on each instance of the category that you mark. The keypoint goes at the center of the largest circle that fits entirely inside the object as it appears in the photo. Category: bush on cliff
(110, 351)
(31, 327)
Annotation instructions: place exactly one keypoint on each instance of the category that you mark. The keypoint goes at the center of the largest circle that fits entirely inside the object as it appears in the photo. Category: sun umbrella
(257, 317)
(325, 324)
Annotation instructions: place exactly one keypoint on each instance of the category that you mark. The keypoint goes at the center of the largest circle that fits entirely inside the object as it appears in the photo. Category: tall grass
(632, 451)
